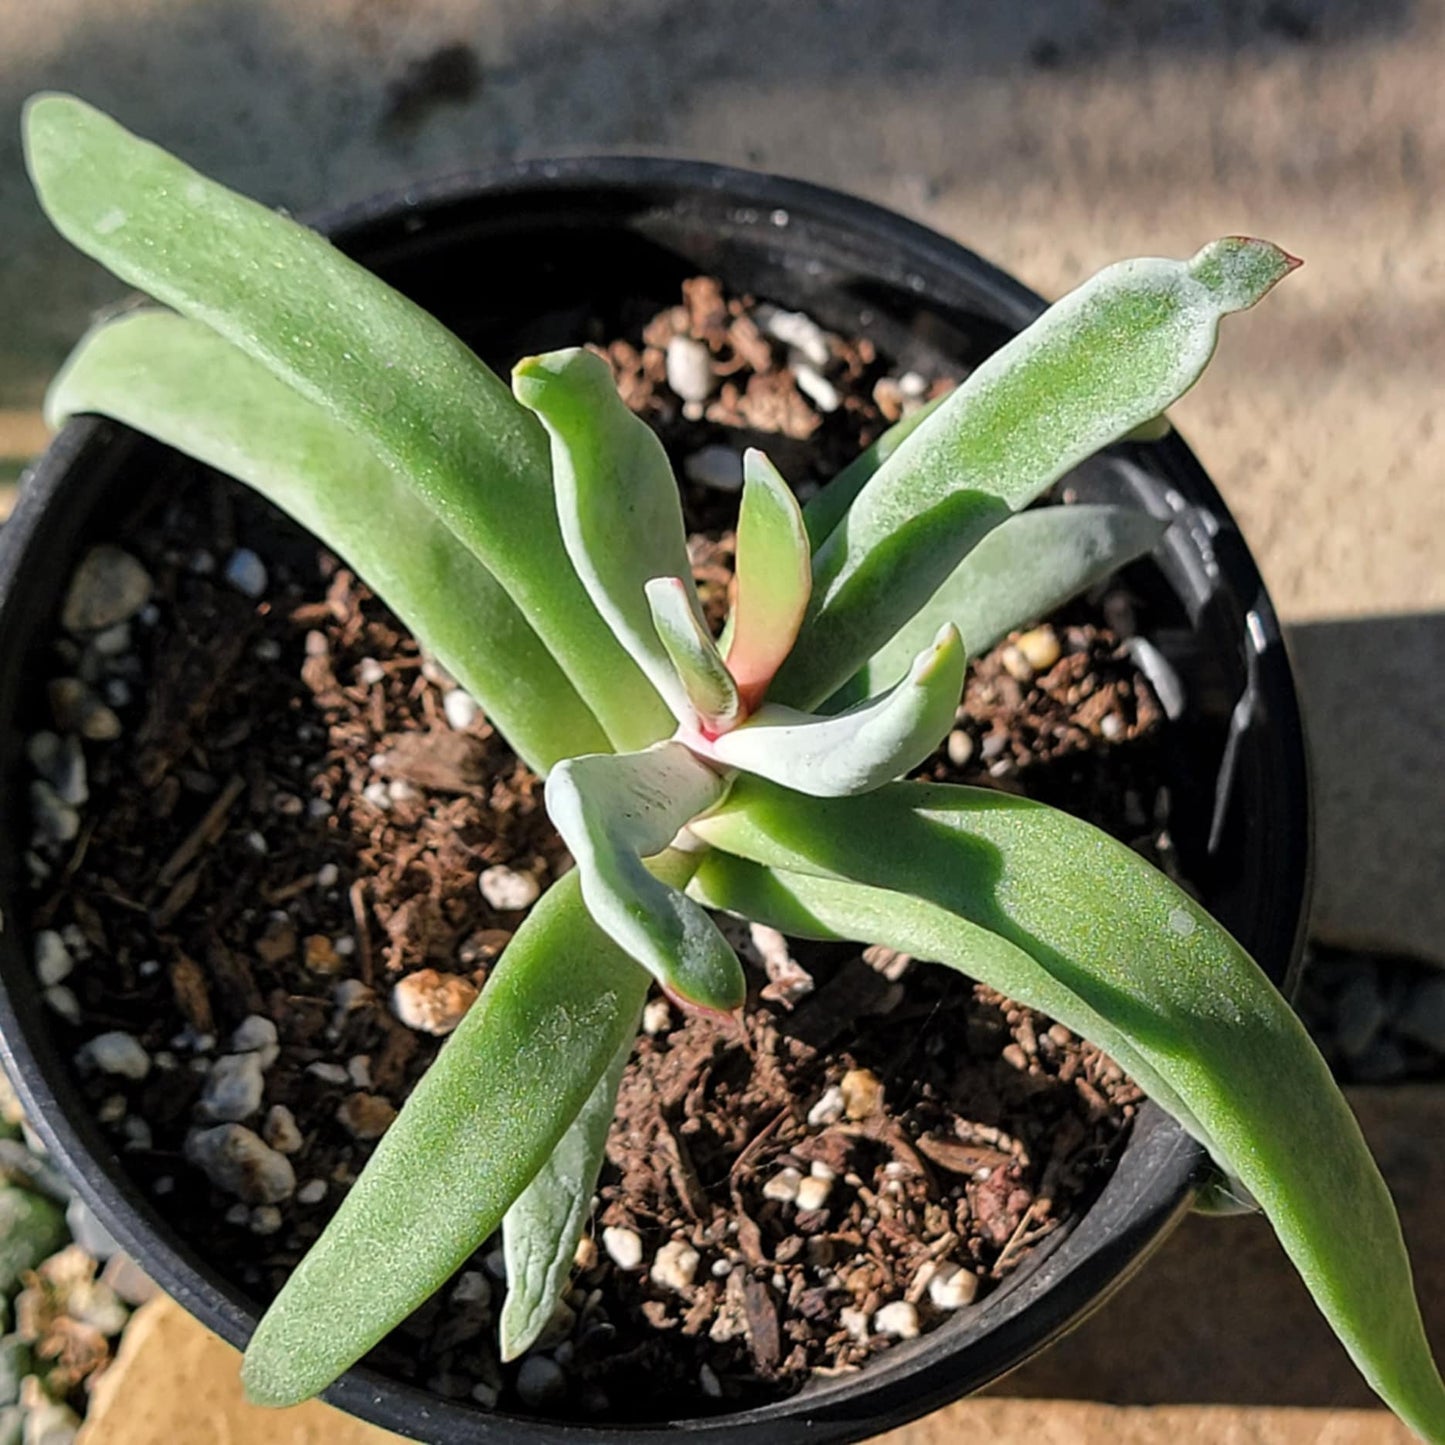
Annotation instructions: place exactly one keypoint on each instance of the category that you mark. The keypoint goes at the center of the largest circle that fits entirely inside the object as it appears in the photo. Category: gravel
(239, 1162)
(108, 587)
(509, 890)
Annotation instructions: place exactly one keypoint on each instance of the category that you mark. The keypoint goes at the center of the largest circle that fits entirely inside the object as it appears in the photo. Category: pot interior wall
(545, 256)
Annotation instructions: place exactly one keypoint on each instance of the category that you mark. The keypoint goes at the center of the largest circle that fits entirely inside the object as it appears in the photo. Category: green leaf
(1022, 570)
(774, 579)
(479, 1125)
(370, 359)
(541, 1230)
(1109, 356)
(180, 382)
(828, 505)
(859, 749)
(620, 511)
(615, 809)
(1111, 936)
(711, 693)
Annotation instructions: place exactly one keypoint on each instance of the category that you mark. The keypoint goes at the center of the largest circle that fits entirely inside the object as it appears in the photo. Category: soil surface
(274, 892)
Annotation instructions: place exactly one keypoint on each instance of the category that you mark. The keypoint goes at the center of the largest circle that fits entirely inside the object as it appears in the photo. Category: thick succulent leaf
(541, 1230)
(180, 382)
(773, 582)
(372, 360)
(711, 692)
(617, 500)
(859, 749)
(1022, 570)
(827, 506)
(1110, 355)
(1134, 949)
(613, 810)
(482, 1121)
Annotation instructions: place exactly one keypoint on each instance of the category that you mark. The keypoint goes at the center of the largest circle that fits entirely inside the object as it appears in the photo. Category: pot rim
(908, 1380)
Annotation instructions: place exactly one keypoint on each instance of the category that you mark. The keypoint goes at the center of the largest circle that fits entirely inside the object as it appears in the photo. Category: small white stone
(53, 963)
(239, 1214)
(312, 1192)
(60, 761)
(234, 1088)
(783, 1186)
(358, 1070)
(708, 1380)
(281, 1130)
(328, 875)
(509, 890)
(137, 1134)
(401, 791)
(828, 1109)
(795, 329)
(108, 587)
(689, 368)
(113, 641)
(369, 672)
(1111, 725)
(813, 1193)
(960, 747)
(656, 1017)
(623, 1246)
(55, 821)
(246, 572)
(913, 385)
(117, 692)
(256, 843)
(328, 1073)
(432, 1002)
(265, 1219)
(819, 1170)
(855, 1322)
(267, 650)
(718, 467)
(460, 708)
(817, 388)
(675, 1266)
(256, 1034)
(116, 1053)
(377, 795)
(899, 1319)
(952, 1287)
(239, 1162)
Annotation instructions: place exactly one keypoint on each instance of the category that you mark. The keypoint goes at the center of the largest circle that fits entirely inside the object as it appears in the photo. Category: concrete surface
(1214, 1341)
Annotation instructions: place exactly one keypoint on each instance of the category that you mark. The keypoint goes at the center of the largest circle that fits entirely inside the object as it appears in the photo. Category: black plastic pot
(536, 255)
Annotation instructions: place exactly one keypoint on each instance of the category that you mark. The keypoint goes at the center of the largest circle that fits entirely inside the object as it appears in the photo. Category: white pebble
(358, 1070)
(53, 963)
(689, 368)
(281, 1130)
(369, 672)
(460, 708)
(267, 650)
(507, 889)
(708, 1380)
(783, 1186)
(952, 1287)
(675, 1266)
(656, 1017)
(137, 1134)
(108, 587)
(855, 1322)
(1111, 725)
(820, 1170)
(256, 1034)
(718, 467)
(328, 875)
(55, 821)
(113, 641)
(623, 1246)
(912, 384)
(239, 1162)
(328, 1073)
(817, 388)
(61, 763)
(433, 1002)
(828, 1109)
(795, 329)
(899, 1319)
(312, 1192)
(377, 795)
(238, 1214)
(246, 572)
(117, 1053)
(960, 747)
(233, 1089)
(813, 1193)
(117, 692)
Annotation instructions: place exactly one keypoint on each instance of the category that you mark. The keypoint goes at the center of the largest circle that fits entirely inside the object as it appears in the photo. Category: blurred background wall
(1052, 137)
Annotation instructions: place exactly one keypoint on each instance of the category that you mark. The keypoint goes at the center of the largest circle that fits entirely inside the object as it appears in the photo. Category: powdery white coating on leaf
(616, 501)
(613, 810)
(860, 749)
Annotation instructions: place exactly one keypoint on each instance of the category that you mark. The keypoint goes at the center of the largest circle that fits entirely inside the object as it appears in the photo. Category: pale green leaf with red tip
(774, 578)
(859, 749)
(1109, 356)
(699, 666)
(615, 809)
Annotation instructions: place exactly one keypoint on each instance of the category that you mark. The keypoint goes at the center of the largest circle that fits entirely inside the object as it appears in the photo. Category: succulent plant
(532, 538)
